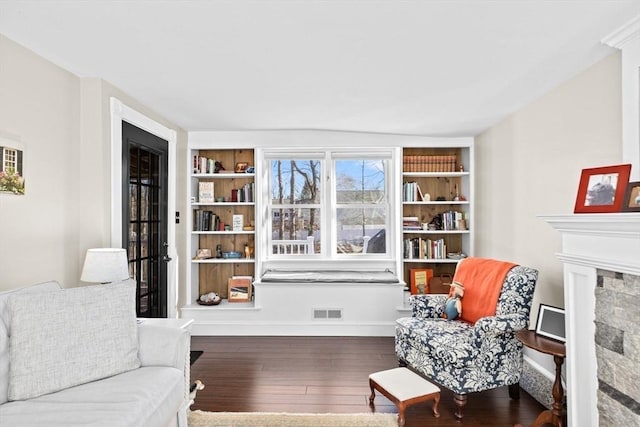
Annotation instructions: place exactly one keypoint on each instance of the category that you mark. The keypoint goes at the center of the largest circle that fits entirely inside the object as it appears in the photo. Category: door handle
(166, 257)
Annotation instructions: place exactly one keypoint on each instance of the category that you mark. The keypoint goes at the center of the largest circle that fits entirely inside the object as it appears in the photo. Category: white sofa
(78, 356)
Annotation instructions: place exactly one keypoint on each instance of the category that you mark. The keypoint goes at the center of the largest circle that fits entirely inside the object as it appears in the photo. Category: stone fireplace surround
(601, 257)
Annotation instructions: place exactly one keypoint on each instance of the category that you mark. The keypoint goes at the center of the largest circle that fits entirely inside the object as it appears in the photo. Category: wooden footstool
(404, 388)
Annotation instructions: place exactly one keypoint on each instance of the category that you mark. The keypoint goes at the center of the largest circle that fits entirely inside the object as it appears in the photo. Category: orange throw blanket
(482, 279)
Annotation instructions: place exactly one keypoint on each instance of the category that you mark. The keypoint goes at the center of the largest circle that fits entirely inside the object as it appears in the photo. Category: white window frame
(10, 163)
(328, 202)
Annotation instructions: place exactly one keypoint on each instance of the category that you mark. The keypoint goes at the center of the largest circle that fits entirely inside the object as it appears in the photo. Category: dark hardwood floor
(327, 375)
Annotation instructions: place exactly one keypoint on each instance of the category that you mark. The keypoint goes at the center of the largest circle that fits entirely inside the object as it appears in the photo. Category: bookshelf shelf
(223, 204)
(228, 233)
(222, 175)
(436, 232)
(430, 261)
(224, 261)
(438, 203)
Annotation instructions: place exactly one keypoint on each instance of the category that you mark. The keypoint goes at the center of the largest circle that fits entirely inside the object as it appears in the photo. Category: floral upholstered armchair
(470, 355)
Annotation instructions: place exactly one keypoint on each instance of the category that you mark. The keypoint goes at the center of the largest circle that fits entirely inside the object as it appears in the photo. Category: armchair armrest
(426, 306)
(163, 346)
(499, 325)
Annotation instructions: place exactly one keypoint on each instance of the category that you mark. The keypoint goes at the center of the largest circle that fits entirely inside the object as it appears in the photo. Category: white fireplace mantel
(590, 242)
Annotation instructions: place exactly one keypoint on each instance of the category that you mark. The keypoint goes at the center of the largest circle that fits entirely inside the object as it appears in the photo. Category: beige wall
(40, 107)
(530, 163)
(63, 123)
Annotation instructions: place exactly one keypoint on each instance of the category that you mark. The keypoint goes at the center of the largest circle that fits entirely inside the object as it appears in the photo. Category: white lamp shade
(105, 265)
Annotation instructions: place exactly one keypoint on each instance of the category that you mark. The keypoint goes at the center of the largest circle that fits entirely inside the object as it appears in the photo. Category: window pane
(360, 181)
(295, 181)
(295, 231)
(359, 225)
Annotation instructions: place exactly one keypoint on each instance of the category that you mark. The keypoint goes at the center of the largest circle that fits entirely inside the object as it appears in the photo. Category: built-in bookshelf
(437, 208)
(221, 220)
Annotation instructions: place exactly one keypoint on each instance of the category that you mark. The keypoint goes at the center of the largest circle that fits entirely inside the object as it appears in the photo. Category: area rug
(267, 419)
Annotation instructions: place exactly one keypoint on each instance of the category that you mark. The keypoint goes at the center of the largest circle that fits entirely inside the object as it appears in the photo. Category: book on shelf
(238, 222)
(205, 192)
(419, 280)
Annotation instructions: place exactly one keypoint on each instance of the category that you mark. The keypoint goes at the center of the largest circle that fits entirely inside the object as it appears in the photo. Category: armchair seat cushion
(448, 344)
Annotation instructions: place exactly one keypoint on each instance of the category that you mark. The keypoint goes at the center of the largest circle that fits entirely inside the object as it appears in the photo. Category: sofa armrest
(426, 306)
(163, 345)
(499, 325)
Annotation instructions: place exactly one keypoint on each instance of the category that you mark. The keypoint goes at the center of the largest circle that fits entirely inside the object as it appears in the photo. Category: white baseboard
(221, 328)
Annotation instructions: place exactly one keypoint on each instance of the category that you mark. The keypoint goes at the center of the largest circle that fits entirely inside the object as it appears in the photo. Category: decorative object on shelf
(241, 167)
(456, 197)
(602, 189)
(239, 289)
(456, 255)
(248, 251)
(205, 192)
(105, 265)
(203, 254)
(218, 251)
(550, 322)
(440, 284)
(632, 198)
(210, 298)
(231, 255)
(250, 169)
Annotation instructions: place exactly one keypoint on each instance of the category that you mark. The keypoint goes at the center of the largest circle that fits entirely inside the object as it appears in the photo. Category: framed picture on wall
(550, 322)
(602, 189)
(632, 198)
(11, 167)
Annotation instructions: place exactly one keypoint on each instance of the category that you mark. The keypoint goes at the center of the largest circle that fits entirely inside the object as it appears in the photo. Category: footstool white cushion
(404, 388)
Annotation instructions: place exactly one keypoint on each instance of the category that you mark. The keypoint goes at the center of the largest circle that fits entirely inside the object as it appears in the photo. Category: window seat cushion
(329, 276)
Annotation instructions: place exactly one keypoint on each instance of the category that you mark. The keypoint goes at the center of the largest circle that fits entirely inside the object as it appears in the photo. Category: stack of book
(203, 164)
(243, 194)
(444, 163)
(419, 248)
(204, 220)
(410, 223)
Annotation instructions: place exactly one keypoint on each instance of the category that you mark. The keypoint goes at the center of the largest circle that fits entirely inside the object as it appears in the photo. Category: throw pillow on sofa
(5, 329)
(71, 337)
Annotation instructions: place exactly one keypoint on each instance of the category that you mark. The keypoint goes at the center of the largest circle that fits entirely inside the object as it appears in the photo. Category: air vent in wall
(327, 313)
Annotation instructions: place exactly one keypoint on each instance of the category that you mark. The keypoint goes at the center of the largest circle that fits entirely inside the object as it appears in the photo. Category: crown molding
(624, 34)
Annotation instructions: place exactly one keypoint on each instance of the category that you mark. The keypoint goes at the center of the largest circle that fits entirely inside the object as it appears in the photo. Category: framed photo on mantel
(602, 189)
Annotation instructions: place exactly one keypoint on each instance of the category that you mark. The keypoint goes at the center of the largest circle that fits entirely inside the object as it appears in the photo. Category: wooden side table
(555, 415)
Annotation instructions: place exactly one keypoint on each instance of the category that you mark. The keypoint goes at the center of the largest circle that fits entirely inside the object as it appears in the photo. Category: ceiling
(410, 67)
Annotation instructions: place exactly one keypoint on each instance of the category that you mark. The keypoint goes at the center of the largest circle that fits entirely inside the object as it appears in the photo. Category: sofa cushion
(5, 326)
(145, 397)
(446, 343)
(71, 337)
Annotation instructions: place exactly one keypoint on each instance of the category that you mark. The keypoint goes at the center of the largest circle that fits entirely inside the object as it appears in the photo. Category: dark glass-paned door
(146, 219)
